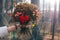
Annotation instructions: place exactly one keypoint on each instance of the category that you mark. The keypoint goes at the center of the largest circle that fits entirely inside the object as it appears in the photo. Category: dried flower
(24, 9)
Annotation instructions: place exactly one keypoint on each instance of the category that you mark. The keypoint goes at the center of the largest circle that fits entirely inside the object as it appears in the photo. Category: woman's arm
(4, 30)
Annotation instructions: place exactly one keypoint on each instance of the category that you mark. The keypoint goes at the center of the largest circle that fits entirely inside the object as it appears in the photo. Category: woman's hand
(13, 27)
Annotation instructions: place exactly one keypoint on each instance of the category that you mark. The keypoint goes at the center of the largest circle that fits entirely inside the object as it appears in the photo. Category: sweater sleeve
(3, 31)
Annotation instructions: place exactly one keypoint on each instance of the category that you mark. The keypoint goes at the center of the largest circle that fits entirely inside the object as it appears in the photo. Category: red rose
(24, 18)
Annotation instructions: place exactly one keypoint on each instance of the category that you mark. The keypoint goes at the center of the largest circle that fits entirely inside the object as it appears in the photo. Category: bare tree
(59, 13)
(54, 21)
